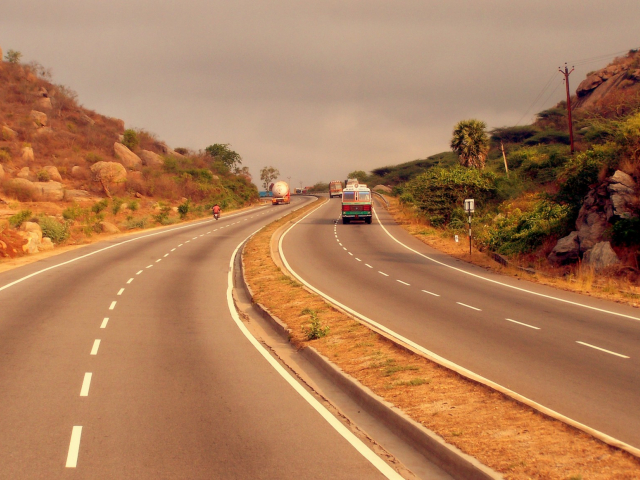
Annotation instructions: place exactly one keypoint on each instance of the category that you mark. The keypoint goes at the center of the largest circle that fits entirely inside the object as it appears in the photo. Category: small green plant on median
(315, 330)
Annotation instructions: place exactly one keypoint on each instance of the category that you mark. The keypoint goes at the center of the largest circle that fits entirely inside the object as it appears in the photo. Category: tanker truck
(280, 191)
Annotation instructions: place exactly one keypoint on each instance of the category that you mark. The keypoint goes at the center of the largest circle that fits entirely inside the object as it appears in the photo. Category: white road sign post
(469, 207)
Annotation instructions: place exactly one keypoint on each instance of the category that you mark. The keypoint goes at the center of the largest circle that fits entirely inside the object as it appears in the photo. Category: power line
(553, 75)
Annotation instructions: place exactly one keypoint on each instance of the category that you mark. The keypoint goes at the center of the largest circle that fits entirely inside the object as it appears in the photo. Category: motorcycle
(216, 216)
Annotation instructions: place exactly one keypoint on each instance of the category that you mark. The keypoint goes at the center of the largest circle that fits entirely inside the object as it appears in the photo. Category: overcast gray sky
(316, 88)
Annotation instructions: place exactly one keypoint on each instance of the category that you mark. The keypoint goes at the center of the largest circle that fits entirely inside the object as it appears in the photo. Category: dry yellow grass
(501, 433)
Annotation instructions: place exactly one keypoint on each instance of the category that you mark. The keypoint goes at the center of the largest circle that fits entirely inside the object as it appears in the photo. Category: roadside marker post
(469, 207)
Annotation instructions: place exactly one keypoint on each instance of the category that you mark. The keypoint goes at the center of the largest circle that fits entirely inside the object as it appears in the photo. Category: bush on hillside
(626, 231)
(130, 139)
(19, 218)
(547, 137)
(515, 134)
(56, 231)
(437, 192)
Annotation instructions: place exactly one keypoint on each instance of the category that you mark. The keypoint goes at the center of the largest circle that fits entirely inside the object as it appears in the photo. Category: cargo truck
(357, 203)
(280, 191)
(335, 189)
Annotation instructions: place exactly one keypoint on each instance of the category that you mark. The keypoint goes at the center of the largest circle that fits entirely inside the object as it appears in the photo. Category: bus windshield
(364, 196)
(348, 196)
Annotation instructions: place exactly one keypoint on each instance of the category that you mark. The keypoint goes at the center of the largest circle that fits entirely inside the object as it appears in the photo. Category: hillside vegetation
(75, 173)
(552, 209)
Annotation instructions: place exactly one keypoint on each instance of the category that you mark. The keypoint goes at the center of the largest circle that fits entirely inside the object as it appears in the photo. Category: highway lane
(523, 341)
(127, 363)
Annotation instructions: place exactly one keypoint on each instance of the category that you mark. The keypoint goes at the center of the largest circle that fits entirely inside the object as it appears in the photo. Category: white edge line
(454, 366)
(602, 349)
(74, 447)
(86, 383)
(376, 461)
(468, 306)
(500, 283)
(26, 277)
(523, 324)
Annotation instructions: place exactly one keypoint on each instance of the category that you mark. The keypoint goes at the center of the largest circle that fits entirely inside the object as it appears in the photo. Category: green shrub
(315, 329)
(115, 206)
(136, 223)
(133, 205)
(93, 157)
(516, 134)
(549, 136)
(4, 156)
(73, 212)
(626, 231)
(99, 206)
(19, 218)
(43, 176)
(130, 139)
(13, 56)
(582, 171)
(184, 208)
(56, 231)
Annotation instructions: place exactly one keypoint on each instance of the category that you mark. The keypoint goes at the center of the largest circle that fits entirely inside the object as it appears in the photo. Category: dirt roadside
(501, 433)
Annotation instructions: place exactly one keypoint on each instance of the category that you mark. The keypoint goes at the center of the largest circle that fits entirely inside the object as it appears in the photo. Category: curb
(433, 447)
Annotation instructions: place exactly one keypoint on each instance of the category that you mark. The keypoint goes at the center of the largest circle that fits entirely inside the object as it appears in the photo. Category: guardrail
(386, 202)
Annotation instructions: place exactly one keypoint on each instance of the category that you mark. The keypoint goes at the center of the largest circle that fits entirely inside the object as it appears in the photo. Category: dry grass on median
(501, 433)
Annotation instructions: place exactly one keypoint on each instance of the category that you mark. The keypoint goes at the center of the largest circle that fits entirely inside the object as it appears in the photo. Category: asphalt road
(126, 362)
(581, 359)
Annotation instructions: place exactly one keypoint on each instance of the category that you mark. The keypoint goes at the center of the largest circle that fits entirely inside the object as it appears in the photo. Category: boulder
(26, 174)
(44, 131)
(591, 226)
(32, 227)
(51, 191)
(27, 154)
(87, 119)
(32, 242)
(622, 193)
(44, 103)
(109, 172)
(45, 245)
(23, 184)
(70, 195)
(600, 256)
(566, 251)
(77, 172)
(53, 172)
(39, 118)
(1, 172)
(128, 158)
(151, 159)
(109, 227)
(8, 134)
(588, 84)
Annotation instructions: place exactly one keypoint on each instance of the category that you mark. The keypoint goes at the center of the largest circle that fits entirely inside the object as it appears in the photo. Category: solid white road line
(368, 265)
(131, 279)
(520, 289)
(96, 346)
(74, 447)
(431, 293)
(366, 452)
(86, 383)
(382, 273)
(113, 305)
(602, 350)
(523, 324)
(104, 322)
(404, 283)
(139, 272)
(120, 291)
(468, 306)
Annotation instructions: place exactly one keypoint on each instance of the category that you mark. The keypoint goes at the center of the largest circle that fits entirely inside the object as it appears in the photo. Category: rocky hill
(68, 173)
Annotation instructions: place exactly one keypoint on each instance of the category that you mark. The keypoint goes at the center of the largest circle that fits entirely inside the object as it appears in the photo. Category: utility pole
(506, 167)
(566, 74)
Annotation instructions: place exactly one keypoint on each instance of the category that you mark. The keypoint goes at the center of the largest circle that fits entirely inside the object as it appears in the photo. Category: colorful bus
(357, 203)
(335, 189)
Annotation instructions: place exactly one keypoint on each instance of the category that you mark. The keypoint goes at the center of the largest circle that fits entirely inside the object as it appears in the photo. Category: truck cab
(357, 203)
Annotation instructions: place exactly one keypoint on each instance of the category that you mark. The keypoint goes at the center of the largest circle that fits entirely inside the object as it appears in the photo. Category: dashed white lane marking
(173, 249)
(368, 265)
(523, 324)
(96, 346)
(337, 240)
(202, 235)
(120, 291)
(216, 230)
(180, 244)
(431, 293)
(74, 447)
(149, 266)
(208, 232)
(187, 241)
(104, 322)
(404, 283)
(86, 383)
(602, 349)
(344, 248)
(166, 255)
(358, 259)
(194, 238)
(351, 254)
(468, 306)
(158, 260)
(382, 273)
(130, 280)
(139, 272)
(113, 305)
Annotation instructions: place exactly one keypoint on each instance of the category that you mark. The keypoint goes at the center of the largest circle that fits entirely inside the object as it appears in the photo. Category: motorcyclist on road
(216, 211)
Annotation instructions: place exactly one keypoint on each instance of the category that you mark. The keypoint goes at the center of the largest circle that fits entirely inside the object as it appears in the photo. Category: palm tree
(471, 143)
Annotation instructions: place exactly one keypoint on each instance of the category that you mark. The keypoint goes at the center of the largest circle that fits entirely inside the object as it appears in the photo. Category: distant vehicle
(280, 191)
(298, 191)
(335, 188)
(357, 203)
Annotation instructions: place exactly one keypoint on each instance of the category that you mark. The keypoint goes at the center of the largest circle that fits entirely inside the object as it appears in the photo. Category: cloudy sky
(317, 88)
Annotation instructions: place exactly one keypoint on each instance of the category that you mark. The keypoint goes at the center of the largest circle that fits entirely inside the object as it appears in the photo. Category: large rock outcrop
(600, 256)
(53, 173)
(109, 172)
(151, 159)
(50, 191)
(128, 158)
(566, 251)
(39, 118)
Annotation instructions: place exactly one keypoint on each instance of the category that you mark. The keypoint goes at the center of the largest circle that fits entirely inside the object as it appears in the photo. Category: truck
(335, 188)
(280, 191)
(357, 203)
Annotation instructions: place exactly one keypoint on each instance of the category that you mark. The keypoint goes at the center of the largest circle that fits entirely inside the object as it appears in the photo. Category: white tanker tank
(280, 191)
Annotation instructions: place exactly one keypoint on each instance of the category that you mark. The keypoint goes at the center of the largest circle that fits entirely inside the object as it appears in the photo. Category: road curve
(122, 360)
(577, 355)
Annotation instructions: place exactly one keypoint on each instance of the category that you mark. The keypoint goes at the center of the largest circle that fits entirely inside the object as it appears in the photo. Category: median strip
(506, 435)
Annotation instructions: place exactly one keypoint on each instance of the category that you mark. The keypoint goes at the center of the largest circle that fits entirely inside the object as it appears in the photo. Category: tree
(360, 175)
(13, 56)
(222, 152)
(268, 175)
(471, 143)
